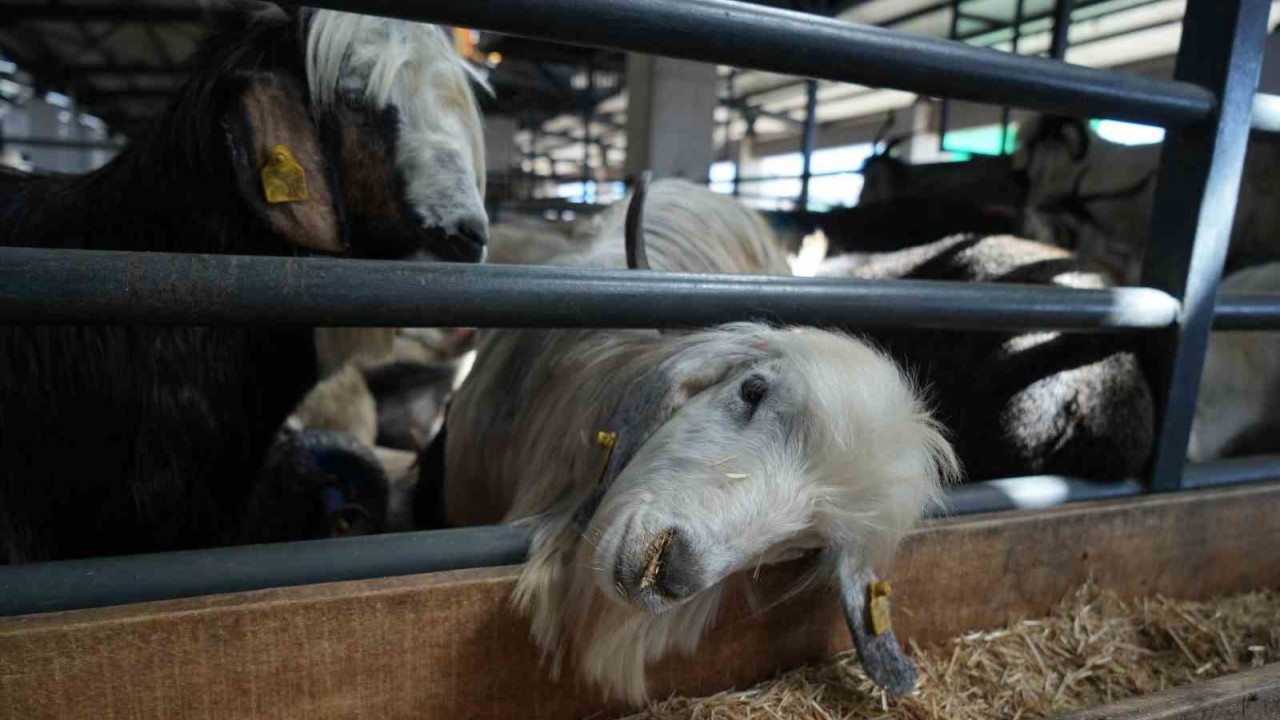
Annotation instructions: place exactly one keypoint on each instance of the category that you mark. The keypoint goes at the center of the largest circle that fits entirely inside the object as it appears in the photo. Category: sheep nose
(672, 569)
(469, 241)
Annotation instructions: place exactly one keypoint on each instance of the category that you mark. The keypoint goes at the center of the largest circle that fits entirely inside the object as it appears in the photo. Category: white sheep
(533, 240)
(735, 446)
(689, 229)
(1236, 410)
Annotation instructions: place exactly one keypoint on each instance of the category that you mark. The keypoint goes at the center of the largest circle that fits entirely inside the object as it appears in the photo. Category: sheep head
(747, 445)
(375, 122)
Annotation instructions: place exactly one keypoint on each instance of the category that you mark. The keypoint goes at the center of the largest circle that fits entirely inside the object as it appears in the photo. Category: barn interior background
(563, 131)
(567, 131)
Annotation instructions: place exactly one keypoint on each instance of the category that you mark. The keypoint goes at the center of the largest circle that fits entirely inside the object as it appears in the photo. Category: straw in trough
(1093, 649)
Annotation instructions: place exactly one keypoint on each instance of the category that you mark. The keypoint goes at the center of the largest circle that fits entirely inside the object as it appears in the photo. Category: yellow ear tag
(878, 602)
(605, 439)
(283, 179)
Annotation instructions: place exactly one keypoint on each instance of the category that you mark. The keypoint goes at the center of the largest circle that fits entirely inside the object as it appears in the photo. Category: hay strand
(1093, 649)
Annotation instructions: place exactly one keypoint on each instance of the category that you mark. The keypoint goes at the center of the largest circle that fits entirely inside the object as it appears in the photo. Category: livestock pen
(417, 624)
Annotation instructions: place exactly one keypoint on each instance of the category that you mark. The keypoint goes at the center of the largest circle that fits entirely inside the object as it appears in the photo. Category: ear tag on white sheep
(283, 179)
(605, 439)
(878, 606)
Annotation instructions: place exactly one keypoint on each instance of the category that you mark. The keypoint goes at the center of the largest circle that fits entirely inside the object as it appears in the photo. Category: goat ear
(1075, 135)
(881, 654)
(271, 113)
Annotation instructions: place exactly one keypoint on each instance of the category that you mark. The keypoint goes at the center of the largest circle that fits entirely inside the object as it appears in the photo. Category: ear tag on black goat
(283, 179)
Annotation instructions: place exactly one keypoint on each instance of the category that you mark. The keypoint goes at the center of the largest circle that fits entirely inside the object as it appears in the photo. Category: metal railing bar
(1266, 113)
(96, 287)
(61, 143)
(1233, 471)
(784, 41)
(1029, 493)
(1247, 312)
(98, 582)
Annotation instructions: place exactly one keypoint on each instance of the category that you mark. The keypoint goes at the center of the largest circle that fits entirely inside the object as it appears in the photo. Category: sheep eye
(753, 390)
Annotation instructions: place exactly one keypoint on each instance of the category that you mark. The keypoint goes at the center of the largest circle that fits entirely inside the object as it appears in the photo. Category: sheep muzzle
(661, 573)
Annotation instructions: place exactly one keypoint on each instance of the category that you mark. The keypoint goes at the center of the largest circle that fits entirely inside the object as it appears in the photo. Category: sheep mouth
(407, 238)
(655, 556)
(638, 573)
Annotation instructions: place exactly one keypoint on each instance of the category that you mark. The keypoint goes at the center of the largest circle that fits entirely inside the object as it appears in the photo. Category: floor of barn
(1095, 648)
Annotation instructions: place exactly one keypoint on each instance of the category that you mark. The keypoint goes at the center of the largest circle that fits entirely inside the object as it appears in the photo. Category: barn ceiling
(1133, 35)
(122, 59)
(119, 59)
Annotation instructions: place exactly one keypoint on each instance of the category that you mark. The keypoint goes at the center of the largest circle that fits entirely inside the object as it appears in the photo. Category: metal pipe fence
(72, 584)
(82, 286)
(1208, 109)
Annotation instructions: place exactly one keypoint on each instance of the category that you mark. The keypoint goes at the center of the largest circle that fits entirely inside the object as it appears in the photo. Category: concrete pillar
(670, 117)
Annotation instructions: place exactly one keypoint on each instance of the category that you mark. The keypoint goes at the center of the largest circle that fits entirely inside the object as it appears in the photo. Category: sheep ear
(281, 168)
(882, 657)
(649, 402)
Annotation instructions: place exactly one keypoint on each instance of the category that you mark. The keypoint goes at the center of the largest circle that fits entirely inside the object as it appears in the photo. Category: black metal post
(588, 106)
(809, 141)
(1222, 44)
(734, 155)
(944, 113)
(1013, 48)
(1061, 26)
(531, 156)
(748, 132)
(728, 112)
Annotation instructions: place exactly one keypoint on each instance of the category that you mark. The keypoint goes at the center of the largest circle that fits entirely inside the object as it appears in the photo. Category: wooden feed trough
(446, 645)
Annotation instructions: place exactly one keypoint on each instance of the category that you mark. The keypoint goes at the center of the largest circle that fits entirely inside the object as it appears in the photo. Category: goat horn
(882, 657)
(637, 258)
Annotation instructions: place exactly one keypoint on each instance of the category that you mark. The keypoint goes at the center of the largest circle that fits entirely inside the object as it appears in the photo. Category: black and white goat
(1019, 403)
(1095, 197)
(317, 131)
(733, 446)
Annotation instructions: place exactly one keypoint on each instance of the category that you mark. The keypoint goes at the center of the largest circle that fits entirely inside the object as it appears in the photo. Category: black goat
(906, 222)
(339, 133)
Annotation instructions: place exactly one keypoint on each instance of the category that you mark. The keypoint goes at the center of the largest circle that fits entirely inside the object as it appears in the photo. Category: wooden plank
(446, 644)
(1250, 695)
